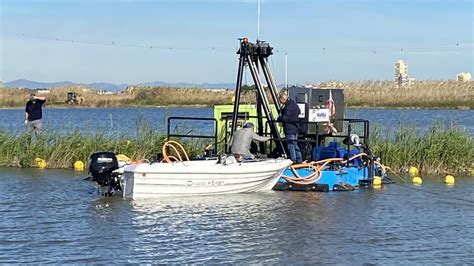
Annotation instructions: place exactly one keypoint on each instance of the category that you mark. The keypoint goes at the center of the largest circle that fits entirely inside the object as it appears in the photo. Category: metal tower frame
(255, 55)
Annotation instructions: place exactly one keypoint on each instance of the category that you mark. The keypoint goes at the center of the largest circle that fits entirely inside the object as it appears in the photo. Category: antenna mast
(258, 20)
(286, 70)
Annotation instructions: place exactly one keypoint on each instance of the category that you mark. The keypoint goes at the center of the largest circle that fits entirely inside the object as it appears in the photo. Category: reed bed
(139, 96)
(441, 150)
(420, 94)
(60, 151)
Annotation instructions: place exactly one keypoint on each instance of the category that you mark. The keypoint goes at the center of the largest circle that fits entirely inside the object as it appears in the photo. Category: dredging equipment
(335, 149)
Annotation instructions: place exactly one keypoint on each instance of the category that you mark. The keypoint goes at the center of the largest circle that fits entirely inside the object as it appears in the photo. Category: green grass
(62, 150)
(439, 150)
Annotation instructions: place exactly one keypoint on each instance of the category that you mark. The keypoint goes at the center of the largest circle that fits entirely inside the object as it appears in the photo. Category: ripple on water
(52, 217)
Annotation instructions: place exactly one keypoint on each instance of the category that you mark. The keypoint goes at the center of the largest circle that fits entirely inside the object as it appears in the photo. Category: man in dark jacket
(34, 113)
(289, 118)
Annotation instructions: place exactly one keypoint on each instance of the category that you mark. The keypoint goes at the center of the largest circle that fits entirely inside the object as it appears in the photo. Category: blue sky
(195, 40)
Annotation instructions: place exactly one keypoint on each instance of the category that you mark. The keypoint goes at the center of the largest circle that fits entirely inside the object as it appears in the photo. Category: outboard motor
(102, 167)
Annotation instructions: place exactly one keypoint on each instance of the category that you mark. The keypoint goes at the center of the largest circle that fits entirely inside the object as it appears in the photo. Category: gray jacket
(242, 140)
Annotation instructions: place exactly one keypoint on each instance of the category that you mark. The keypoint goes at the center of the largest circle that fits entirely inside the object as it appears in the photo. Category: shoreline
(428, 94)
(46, 106)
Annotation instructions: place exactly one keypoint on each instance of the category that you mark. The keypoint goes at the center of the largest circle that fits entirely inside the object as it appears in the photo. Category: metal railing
(211, 136)
(315, 138)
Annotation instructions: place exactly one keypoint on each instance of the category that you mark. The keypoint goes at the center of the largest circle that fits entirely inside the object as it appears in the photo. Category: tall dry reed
(420, 94)
(440, 150)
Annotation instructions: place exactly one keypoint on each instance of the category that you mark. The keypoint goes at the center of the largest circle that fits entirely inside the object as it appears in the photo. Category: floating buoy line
(417, 188)
(449, 179)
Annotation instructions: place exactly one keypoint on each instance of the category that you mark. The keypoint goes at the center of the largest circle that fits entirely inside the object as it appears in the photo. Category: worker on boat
(289, 118)
(242, 140)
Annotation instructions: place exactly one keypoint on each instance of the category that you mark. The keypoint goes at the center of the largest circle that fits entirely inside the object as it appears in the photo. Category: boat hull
(200, 178)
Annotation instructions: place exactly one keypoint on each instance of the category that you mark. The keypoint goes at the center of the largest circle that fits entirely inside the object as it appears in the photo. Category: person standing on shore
(34, 113)
(289, 118)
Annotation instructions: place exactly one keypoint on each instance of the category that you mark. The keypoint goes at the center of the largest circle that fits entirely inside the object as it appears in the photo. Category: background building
(401, 74)
(463, 77)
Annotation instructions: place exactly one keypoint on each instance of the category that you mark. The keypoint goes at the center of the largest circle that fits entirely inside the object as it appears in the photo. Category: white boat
(205, 177)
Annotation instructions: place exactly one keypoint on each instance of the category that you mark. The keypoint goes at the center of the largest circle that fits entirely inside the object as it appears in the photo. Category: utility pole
(286, 70)
(258, 20)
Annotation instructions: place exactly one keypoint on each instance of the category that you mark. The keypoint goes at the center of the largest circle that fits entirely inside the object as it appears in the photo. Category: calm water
(125, 120)
(105, 120)
(54, 216)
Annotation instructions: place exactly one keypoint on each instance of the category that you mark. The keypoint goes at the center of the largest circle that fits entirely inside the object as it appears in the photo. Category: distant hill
(191, 85)
(24, 83)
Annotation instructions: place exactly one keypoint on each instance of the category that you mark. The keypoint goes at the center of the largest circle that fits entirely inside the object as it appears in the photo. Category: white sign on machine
(318, 115)
(302, 110)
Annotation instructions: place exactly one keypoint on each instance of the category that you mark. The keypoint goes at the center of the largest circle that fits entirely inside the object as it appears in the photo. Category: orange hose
(312, 177)
(171, 144)
(355, 156)
(317, 166)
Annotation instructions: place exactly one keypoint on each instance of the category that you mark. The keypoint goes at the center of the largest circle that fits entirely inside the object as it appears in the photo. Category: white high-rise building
(463, 77)
(401, 74)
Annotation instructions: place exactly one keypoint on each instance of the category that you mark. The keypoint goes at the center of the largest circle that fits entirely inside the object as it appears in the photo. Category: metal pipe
(238, 87)
(271, 83)
(258, 21)
(286, 70)
(264, 100)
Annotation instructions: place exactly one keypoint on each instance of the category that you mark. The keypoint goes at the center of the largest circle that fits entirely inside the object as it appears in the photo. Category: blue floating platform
(341, 179)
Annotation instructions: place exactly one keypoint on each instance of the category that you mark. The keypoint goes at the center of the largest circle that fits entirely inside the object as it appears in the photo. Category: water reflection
(421, 119)
(56, 217)
(206, 229)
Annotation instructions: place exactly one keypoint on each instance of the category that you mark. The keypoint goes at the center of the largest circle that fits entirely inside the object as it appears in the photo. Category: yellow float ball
(123, 158)
(377, 181)
(79, 166)
(413, 171)
(449, 179)
(41, 163)
(417, 180)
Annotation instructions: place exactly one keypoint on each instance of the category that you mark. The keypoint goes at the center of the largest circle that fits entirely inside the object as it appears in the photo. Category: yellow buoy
(41, 163)
(123, 158)
(449, 179)
(417, 180)
(413, 171)
(79, 166)
(377, 181)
